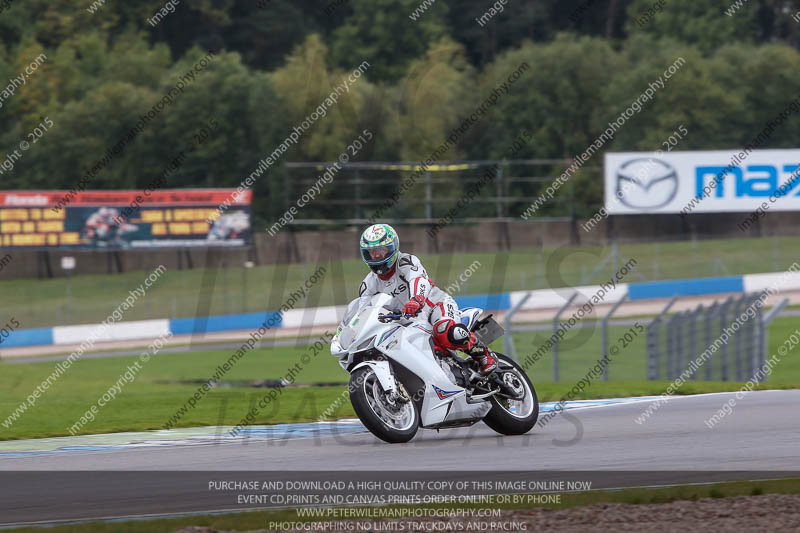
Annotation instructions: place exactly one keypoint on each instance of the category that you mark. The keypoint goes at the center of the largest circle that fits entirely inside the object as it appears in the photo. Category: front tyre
(508, 416)
(390, 421)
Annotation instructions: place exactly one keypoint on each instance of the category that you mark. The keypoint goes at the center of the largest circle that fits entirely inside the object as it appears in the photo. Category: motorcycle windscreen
(346, 337)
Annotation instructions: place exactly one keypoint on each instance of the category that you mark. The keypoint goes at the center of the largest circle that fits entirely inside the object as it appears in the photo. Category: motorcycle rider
(101, 224)
(403, 276)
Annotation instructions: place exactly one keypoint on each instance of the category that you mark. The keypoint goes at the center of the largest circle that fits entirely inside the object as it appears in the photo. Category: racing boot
(482, 355)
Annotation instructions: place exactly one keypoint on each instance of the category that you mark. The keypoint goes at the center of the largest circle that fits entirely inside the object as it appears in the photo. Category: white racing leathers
(410, 279)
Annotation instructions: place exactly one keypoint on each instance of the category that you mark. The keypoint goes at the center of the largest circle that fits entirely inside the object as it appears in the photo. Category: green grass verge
(153, 397)
(260, 519)
(143, 406)
(149, 401)
(41, 303)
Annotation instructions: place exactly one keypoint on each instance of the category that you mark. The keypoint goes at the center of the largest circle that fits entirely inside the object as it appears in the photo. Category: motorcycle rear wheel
(513, 417)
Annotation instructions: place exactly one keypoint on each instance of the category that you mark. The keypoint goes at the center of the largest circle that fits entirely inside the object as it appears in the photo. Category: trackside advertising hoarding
(177, 218)
(702, 182)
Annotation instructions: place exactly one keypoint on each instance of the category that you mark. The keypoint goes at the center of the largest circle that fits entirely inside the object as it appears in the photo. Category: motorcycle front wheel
(390, 421)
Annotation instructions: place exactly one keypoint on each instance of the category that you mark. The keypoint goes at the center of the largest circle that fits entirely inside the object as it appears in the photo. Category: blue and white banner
(715, 181)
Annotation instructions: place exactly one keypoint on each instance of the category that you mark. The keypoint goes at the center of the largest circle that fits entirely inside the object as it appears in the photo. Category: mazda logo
(646, 183)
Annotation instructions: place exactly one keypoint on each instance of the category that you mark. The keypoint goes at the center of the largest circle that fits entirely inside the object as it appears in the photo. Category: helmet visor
(377, 254)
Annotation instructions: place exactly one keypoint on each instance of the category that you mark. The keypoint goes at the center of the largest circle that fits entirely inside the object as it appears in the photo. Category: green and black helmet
(380, 247)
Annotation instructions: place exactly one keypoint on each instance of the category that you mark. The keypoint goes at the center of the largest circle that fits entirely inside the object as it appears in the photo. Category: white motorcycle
(398, 382)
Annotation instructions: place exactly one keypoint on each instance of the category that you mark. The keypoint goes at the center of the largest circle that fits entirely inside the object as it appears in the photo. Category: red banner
(167, 197)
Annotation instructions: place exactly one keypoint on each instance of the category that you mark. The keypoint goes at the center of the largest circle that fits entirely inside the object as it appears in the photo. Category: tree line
(275, 61)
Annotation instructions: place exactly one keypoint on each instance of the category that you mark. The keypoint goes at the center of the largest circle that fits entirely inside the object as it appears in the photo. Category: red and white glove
(414, 306)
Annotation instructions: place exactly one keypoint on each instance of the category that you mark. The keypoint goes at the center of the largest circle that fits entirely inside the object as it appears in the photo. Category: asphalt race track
(759, 439)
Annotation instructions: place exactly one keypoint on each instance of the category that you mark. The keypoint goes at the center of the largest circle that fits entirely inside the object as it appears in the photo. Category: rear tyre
(392, 422)
(513, 417)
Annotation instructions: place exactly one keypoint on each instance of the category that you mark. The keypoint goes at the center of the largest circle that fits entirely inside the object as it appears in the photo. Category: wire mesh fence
(507, 188)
